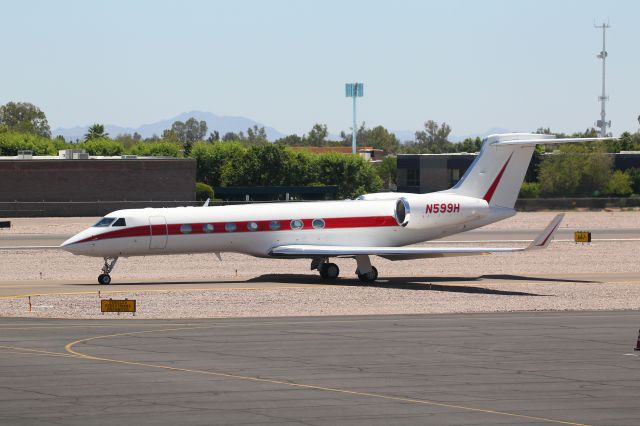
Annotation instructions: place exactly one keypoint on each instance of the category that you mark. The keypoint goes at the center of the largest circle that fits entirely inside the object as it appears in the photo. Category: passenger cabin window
(274, 225)
(252, 226)
(318, 223)
(297, 224)
(230, 227)
(185, 229)
(104, 222)
(207, 228)
(120, 222)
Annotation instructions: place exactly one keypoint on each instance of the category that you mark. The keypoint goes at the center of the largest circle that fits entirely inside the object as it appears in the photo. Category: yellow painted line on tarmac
(70, 350)
(166, 290)
(28, 351)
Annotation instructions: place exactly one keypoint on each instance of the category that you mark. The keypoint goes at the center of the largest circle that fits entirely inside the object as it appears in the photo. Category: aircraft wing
(407, 253)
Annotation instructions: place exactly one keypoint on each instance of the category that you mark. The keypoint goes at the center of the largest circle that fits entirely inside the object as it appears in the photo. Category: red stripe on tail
(487, 197)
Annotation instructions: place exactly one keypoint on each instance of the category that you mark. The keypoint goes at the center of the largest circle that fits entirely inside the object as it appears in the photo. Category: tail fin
(497, 173)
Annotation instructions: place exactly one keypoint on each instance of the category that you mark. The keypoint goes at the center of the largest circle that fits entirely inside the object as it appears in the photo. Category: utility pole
(602, 123)
(354, 90)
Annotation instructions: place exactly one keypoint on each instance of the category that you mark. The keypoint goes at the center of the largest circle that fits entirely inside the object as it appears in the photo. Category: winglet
(545, 237)
(206, 203)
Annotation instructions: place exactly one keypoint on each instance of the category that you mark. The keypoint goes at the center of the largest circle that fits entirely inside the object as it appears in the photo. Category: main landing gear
(366, 272)
(330, 271)
(109, 263)
(368, 277)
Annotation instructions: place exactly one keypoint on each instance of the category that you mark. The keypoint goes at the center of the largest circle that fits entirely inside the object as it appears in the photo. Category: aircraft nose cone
(76, 244)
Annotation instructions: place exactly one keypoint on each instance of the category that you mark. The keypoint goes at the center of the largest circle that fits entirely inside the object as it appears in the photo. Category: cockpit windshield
(104, 222)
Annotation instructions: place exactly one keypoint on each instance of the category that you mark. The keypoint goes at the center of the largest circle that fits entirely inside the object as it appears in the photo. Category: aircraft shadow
(400, 283)
(417, 283)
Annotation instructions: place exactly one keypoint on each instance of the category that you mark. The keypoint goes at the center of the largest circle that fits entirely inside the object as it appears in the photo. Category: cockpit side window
(104, 222)
(120, 222)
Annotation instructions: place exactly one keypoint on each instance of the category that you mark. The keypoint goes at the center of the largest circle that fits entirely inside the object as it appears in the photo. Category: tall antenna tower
(602, 123)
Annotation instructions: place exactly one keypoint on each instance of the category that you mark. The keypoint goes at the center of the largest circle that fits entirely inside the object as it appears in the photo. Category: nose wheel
(109, 263)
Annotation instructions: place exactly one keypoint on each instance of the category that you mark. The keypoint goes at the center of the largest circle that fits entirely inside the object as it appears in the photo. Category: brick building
(94, 185)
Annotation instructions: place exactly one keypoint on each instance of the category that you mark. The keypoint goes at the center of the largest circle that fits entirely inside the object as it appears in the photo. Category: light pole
(354, 90)
(603, 123)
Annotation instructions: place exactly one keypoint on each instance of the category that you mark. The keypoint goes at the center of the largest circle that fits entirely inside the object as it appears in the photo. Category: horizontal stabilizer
(531, 142)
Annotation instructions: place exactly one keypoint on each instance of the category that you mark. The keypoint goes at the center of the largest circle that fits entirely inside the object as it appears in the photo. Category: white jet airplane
(380, 224)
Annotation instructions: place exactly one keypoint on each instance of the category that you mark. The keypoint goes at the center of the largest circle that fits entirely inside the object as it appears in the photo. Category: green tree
(203, 192)
(351, 173)
(187, 133)
(620, 184)
(96, 131)
(12, 142)
(219, 164)
(530, 190)
(387, 171)
(267, 165)
(232, 136)
(128, 140)
(213, 136)
(24, 117)
(256, 135)
(575, 171)
(470, 145)
(290, 140)
(434, 137)
(104, 147)
(156, 149)
(380, 138)
(317, 135)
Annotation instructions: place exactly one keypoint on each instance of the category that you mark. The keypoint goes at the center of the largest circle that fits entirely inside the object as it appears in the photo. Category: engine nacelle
(423, 211)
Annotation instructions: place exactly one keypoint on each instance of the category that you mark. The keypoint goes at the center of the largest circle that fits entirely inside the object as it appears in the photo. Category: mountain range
(223, 124)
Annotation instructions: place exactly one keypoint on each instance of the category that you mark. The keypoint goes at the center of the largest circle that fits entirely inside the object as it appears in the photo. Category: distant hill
(222, 124)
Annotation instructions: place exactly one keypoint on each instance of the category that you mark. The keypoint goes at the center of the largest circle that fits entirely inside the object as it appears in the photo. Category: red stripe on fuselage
(487, 197)
(241, 227)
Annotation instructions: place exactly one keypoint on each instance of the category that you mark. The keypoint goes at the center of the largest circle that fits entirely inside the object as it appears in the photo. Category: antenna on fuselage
(206, 203)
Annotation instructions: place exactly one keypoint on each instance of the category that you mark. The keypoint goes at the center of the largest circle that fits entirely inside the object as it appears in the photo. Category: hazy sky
(474, 64)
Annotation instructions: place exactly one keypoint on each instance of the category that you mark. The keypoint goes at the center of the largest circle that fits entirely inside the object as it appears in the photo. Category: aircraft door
(158, 231)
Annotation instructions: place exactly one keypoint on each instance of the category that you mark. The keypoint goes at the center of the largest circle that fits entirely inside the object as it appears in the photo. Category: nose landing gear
(109, 263)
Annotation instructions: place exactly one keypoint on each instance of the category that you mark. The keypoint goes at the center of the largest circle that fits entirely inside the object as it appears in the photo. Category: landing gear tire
(370, 276)
(104, 278)
(329, 271)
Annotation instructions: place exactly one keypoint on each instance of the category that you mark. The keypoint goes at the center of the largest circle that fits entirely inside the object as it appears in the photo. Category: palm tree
(96, 131)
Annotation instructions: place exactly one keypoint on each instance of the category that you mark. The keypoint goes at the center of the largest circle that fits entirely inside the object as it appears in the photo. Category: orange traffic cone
(637, 348)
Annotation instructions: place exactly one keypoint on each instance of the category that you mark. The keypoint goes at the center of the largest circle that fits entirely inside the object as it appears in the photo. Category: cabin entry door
(158, 231)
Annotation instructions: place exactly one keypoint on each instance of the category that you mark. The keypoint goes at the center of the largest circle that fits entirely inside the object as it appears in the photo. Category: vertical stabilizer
(497, 173)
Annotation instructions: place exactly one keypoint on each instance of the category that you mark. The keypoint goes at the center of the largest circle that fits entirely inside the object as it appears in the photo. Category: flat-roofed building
(422, 173)
(83, 185)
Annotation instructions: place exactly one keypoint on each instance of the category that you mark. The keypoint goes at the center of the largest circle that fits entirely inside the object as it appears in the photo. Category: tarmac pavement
(530, 368)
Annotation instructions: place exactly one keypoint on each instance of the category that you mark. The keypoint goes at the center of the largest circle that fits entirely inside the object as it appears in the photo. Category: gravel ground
(349, 300)
(560, 258)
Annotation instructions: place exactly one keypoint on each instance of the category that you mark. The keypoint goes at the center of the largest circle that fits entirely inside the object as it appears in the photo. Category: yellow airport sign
(111, 305)
(582, 237)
